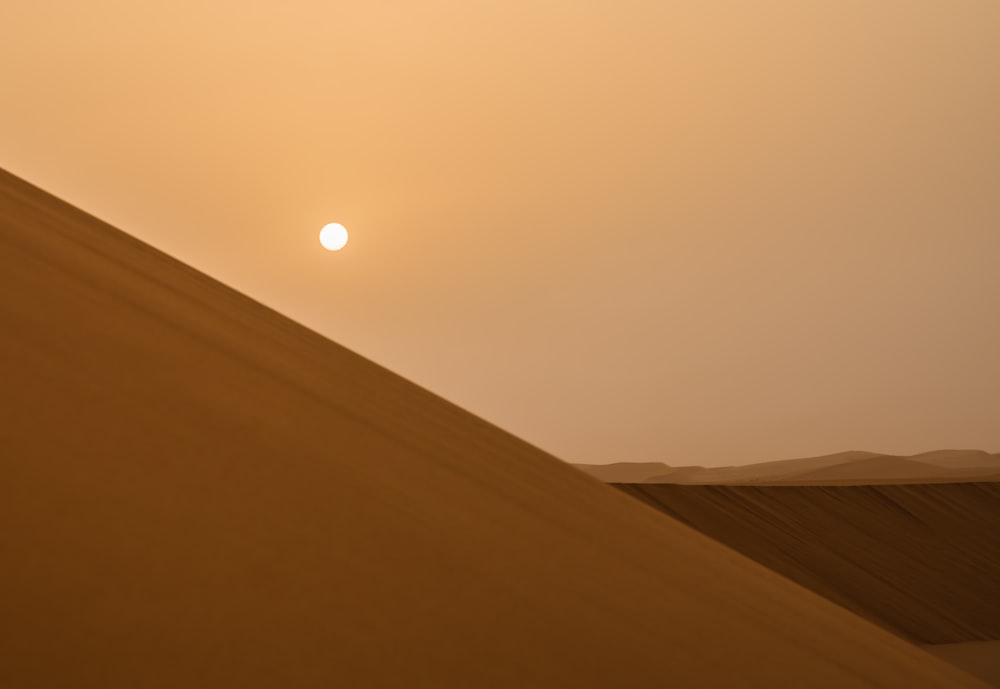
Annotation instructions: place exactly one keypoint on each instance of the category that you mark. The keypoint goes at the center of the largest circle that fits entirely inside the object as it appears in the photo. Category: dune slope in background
(854, 467)
(920, 560)
(199, 492)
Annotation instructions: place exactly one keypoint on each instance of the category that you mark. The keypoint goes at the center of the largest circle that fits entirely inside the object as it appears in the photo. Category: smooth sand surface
(198, 492)
(980, 658)
(846, 468)
(921, 560)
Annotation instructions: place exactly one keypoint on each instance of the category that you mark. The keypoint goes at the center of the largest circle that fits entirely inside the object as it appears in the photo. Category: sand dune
(980, 658)
(959, 458)
(920, 560)
(855, 467)
(888, 469)
(199, 492)
(628, 472)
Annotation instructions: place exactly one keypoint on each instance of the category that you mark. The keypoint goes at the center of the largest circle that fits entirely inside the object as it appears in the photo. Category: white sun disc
(333, 237)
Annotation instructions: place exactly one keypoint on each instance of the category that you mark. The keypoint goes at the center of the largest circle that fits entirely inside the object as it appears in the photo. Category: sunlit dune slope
(921, 560)
(199, 492)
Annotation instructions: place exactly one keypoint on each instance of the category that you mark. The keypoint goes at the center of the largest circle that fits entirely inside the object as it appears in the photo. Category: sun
(333, 237)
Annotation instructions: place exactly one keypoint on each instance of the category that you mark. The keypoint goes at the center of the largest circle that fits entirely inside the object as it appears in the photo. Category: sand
(907, 542)
(843, 468)
(980, 658)
(920, 560)
(199, 492)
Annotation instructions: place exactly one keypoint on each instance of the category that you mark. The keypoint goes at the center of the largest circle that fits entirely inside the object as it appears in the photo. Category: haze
(693, 232)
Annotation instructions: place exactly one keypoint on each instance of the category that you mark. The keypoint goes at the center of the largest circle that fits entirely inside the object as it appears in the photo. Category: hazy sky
(703, 231)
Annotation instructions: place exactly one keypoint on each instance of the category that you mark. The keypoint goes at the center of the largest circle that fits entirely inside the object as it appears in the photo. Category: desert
(201, 492)
(910, 543)
(857, 467)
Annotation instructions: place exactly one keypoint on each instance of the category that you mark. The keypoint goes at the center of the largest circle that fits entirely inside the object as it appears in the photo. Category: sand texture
(843, 468)
(198, 492)
(922, 560)
(980, 658)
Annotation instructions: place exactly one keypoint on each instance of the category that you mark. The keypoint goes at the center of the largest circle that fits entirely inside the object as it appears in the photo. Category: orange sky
(699, 232)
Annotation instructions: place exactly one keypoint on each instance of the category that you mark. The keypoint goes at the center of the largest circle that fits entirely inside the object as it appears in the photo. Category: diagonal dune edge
(200, 492)
(919, 560)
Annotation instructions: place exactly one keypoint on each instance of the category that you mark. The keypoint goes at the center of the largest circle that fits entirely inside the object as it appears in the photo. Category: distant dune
(854, 467)
(626, 472)
(921, 560)
(198, 492)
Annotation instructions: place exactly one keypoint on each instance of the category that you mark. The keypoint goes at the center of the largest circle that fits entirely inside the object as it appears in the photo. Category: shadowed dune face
(920, 560)
(201, 493)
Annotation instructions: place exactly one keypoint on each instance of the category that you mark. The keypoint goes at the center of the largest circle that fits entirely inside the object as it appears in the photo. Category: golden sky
(702, 232)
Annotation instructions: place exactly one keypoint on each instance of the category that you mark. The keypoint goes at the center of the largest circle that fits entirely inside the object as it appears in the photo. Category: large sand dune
(198, 492)
(921, 560)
